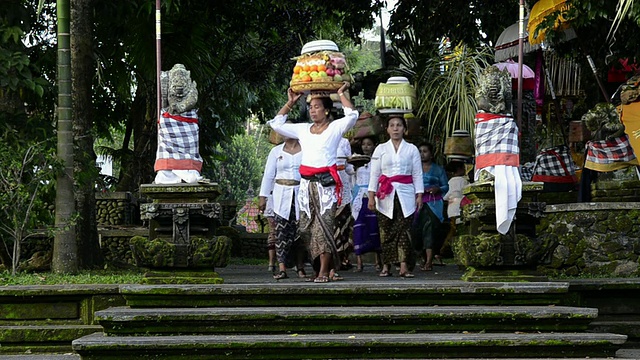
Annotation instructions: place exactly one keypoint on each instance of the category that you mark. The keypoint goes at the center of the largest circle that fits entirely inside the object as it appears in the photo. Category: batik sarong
(396, 243)
(342, 230)
(316, 229)
(287, 237)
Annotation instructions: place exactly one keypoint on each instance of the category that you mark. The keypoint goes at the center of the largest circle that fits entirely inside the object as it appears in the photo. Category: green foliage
(239, 53)
(473, 22)
(27, 176)
(243, 164)
(446, 91)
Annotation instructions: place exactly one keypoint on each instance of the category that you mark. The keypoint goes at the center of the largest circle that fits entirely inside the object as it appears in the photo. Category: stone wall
(116, 208)
(593, 238)
(615, 190)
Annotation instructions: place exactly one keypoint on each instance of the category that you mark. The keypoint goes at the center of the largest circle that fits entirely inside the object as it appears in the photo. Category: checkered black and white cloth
(496, 141)
(526, 171)
(610, 155)
(555, 165)
(178, 143)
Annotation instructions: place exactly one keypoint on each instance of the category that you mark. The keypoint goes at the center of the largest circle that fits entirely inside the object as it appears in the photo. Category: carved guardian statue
(178, 157)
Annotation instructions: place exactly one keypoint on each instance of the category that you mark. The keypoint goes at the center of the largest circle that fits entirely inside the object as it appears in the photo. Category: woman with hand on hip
(320, 186)
(395, 190)
(281, 180)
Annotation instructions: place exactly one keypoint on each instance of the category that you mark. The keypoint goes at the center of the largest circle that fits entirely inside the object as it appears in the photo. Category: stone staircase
(341, 320)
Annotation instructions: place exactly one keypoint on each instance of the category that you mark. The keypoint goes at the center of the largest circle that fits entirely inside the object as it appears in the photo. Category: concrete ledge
(125, 320)
(354, 345)
(346, 294)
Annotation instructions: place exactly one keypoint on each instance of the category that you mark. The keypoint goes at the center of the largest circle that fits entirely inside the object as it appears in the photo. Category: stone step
(126, 320)
(41, 338)
(350, 346)
(365, 293)
(620, 324)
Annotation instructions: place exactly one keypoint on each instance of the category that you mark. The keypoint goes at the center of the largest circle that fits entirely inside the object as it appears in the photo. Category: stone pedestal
(491, 256)
(182, 221)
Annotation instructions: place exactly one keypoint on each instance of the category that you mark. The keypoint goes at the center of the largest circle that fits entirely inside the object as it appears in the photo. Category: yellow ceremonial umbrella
(542, 9)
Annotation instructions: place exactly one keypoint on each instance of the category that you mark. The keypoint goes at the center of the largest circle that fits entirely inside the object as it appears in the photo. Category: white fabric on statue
(177, 176)
(508, 191)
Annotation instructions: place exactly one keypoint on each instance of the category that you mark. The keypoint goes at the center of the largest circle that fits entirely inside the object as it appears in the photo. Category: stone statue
(178, 157)
(493, 94)
(497, 148)
(609, 149)
(603, 122)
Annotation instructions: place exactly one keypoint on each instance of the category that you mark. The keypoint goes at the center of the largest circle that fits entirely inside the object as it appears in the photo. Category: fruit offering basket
(320, 67)
(396, 96)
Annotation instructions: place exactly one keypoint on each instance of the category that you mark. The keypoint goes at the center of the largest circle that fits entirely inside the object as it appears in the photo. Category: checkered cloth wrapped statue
(555, 165)
(610, 155)
(178, 156)
(497, 148)
(609, 150)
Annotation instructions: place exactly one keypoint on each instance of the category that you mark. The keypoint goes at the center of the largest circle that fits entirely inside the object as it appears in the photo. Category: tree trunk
(138, 169)
(65, 250)
(86, 172)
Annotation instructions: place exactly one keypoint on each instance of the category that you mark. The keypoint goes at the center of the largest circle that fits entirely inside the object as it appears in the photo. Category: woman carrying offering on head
(320, 187)
(395, 189)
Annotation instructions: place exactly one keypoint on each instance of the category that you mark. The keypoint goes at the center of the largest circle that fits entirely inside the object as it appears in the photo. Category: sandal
(281, 275)
(336, 277)
(321, 279)
(301, 273)
(407, 275)
(384, 274)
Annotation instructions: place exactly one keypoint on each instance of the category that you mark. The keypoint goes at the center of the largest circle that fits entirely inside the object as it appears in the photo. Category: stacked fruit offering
(320, 67)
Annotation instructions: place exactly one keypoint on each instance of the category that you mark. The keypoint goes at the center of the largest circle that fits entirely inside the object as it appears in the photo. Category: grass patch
(83, 277)
(107, 276)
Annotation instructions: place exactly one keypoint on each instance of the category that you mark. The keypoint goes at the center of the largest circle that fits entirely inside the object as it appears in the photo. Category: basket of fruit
(320, 67)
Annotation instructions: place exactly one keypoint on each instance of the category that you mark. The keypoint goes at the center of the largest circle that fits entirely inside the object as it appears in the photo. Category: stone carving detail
(179, 92)
(493, 94)
(603, 122)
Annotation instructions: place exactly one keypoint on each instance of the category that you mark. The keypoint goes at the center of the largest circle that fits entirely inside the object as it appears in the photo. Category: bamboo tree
(65, 259)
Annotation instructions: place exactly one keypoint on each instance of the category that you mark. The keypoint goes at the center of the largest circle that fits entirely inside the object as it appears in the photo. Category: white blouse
(318, 150)
(361, 184)
(386, 161)
(281, 165)
(454, 195)
(344, 151)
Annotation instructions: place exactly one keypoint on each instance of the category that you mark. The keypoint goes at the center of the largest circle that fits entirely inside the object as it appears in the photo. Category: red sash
(385, 187)
(333, 170)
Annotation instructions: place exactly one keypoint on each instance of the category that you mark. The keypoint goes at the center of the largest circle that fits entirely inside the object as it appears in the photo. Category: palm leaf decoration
(446, 91)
